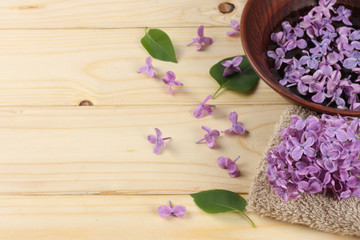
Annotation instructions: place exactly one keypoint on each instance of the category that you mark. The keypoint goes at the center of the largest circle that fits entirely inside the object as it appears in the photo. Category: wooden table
(88, 172)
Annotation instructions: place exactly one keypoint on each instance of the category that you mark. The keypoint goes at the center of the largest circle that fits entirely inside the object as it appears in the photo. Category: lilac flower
(352, 61)
(157, 140)
(230, 165)
(201, 40)
(210, 137)
(236, 26)
(321, 47)
(169, 79)
(237, 127)
(310, 60)
(177, 211)
(279, 56)
(200, 110)
(302, 148)
(232, 65)
(325, 6)
(299, 32)
(343, 15)
(148, 68)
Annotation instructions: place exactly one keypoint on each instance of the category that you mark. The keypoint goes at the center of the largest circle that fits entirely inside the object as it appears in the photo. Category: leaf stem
(217, 91)
(247, 217)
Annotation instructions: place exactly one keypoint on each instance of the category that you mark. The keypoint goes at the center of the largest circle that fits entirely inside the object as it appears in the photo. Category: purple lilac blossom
(319, 56)
(230, 165)
(148, 68)
(316, 155)
(202, 107)
(169, 79)
(237, 127)
(210, 137)
(158, 140)
(236, 26)
(232, 65)
(166, 211)
(201, 40)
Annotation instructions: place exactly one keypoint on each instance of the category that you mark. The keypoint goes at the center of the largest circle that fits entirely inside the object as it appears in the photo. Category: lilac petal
(170, 90)
(231, 33)
(157, 148)
(164, 211)
(151, 138)
(354, 182)
(151, 73)
(206, 129)
(179, 211)
(341, 135)
(207, 99)
(209, 110)
(211, 141)
(232, 167)
(223, 162)
(177, 83)
(303, 186)
(143, 69)
(207, 41)
(301, 44)
(200, 31)
(227, 71)
(278, 63)
(195, 40)
(234, 24)
(233, 117)
(315, 187)
(310, 152)
(148, 60)
(319, 97)
(170, 75)
(199, 47)
(158, 133)
(350, 63)
(215, 133)
(309, 142)
(227, 63)
(234, 174)
(199, 111)
(239, 128)
(272, 54)
(296, 153)
(237, 61)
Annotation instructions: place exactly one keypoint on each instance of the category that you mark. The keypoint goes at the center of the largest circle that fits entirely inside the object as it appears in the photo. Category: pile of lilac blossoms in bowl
(318, 57)
(317, 155)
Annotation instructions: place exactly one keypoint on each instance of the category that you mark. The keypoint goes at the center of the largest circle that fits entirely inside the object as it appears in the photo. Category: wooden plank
(134, 217)
(114, 14)
(105, 150)
(64, 67)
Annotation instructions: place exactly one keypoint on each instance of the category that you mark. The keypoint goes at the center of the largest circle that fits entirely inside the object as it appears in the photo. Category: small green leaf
(159, 45)
(242, 82)
(220, 201)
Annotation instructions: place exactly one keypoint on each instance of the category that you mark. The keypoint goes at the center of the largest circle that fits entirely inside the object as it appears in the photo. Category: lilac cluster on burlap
(317, 155)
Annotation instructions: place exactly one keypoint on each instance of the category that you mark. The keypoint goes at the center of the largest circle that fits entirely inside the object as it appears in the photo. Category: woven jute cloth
(314, 210)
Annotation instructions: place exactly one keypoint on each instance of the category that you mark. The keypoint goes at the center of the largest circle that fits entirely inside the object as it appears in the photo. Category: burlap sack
(313, 210)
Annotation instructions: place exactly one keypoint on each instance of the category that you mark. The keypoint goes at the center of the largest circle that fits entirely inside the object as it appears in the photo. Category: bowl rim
(283, 91)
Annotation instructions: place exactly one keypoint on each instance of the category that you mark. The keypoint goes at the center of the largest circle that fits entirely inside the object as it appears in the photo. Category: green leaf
(159, 45)
(242, 82)
(220, 201)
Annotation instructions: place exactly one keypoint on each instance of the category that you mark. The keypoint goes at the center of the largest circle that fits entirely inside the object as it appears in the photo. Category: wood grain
(133, 217)
(114, 14)
(65, 67)
(105, 150)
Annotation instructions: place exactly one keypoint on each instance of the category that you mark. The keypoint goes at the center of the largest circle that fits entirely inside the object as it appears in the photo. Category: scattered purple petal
(237, 127)
(158, 140)
(236, 26)
(169, 79)
(230, 165)
(200, 110)
(232, 65)
(210, 137)
(148, 68)
(201, 40)
(166, 211)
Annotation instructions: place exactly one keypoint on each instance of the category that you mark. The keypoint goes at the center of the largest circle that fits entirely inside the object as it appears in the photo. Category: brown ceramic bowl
(259, 19)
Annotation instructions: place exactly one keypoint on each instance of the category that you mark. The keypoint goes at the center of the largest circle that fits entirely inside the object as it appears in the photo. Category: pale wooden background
(70, 172)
